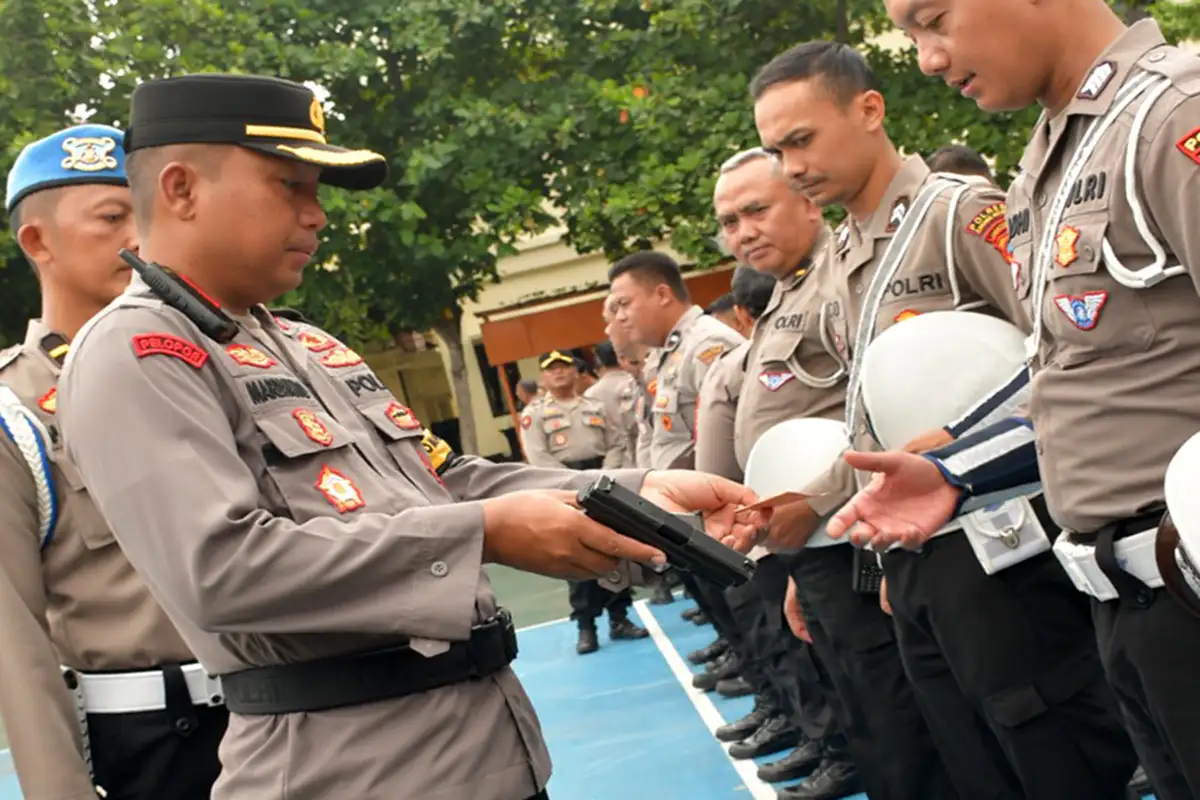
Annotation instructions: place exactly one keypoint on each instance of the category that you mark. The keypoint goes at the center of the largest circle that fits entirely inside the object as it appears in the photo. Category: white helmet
(929, 370)
(792, 455)
(1181, 529)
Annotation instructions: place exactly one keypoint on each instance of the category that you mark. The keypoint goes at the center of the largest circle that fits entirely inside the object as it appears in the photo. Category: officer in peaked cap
(96, 685)
(318, 549)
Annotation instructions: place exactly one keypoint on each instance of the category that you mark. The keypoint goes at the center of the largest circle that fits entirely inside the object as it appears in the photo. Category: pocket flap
(302, 431)
(394, 421)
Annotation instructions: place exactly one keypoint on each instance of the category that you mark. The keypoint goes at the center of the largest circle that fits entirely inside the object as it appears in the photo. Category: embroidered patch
(774, 380)
(668, 424)
(283, 325)
(313, 427)
(708, 355)
(898, 213)
(89, 153)
(991, 225)
(437, 449)
(164, 344)
(1097, 80)
(907, 313)
(402, 417)
(653, 387)
(341, 357)
(984, 219)
(559, 439)
(526, 421)
(339, 490)
(49, 401)
(1190, 145)
(661, 401)
(316, 342)
(1083, 312)
(595, 421)
(249, 356)
(1066, 241)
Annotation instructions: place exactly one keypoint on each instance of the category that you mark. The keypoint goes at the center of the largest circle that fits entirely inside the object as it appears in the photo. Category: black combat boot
(620, 627)
(588, 643)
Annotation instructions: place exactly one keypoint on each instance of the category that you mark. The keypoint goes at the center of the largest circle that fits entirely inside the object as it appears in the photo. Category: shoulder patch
(991, 225)
(526, 421)
(711, 353)
(165, 344)
(439, 453)
(985, 219)
(1188, 145)
(49, 401)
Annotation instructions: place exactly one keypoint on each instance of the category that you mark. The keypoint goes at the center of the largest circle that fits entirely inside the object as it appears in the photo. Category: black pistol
(687, 547)
(179, 295)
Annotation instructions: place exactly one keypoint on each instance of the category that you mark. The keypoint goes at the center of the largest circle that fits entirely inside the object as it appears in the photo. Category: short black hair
(959, 159)
(752, 290)
(606, 354)
(583, 367)
(528, 385)
(652, 267)
(843, 69)
(722, 303)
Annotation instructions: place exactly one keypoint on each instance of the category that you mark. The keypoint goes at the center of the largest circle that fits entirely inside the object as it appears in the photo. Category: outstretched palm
(907, 501)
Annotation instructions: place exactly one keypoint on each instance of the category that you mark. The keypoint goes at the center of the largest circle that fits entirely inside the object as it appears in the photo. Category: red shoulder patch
(984, 219)
(1190, 145)
(341, 357)
(49, 401)
(164, 344)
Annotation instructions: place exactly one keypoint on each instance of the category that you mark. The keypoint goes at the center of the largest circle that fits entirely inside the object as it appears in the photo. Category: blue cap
(81, 154)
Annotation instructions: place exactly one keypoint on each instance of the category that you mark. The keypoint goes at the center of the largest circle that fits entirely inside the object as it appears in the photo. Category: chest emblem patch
(249, 356)
(402, 417)
(339, 490)
(1083, 312)
(49, 401)
(1067, 243)
(773, 381)
(313, 427)
(668, 424)
(316, 342)
(559, 439)
(341, 357)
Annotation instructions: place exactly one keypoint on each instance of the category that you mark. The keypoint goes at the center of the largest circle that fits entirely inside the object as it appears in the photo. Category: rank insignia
(526, 421)
(402, 417)
(559, 439)
(774, 380)
(341, 357)
(437, 449)
(249, 356)
(339, 490)
(164, 344)
(89, 153)
(897, 214)
(653, 387)
(316, 342)
(1066, 242)
(1190, 145)
(49, 401)
(1097, 80)
(1083, 312)
(668, 424)
(907, 313)
(708, 355)
(313, 427)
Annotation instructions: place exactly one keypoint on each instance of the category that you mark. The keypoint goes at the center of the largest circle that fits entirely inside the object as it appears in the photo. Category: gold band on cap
(283, 132)
(351, 158)
(556, 356)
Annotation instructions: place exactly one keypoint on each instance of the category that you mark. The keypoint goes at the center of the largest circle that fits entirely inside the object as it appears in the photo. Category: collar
(897, 200)
(796, 277)
(681, 325)
(50, 346)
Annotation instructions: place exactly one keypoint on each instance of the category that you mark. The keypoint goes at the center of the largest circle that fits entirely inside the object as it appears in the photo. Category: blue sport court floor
(622, 723)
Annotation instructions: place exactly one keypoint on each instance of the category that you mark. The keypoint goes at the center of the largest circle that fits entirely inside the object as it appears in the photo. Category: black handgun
(687, 547)
(175, 292)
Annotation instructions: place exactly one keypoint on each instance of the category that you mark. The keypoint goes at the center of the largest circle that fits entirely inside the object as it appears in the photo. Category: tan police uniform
(973, 643)
(281, 452)
(716, 409)
(73, 600)
(691, 348)
(573, 433)
(643, 402)
(1105, 234)
(617, 389)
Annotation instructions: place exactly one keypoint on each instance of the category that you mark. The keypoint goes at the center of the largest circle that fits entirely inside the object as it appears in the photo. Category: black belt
(585, 463)
(1128, 587)
(370, 677)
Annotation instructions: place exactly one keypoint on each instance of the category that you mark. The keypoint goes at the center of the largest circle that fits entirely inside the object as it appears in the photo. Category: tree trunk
(449, 330)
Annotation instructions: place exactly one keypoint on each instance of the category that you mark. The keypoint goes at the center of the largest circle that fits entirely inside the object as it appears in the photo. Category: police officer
(1104, 245)
(564, 429)
(617, 390)
(316, 548)
(93, 675)
(971, 641)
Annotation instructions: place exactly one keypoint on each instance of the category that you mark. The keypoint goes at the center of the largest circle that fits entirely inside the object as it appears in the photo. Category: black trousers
(1150, 648)
(1007, 674)
(875, 705)
(750, 638)
(154, 755)
(589, 600)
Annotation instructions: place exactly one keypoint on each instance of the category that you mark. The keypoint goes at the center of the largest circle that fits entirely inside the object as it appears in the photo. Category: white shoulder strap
(25, 430)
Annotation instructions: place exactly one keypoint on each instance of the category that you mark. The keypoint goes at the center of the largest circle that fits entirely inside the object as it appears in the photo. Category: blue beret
(81, 154)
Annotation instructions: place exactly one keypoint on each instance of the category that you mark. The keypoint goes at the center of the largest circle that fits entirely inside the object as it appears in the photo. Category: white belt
(131, 692)
(1134, 554)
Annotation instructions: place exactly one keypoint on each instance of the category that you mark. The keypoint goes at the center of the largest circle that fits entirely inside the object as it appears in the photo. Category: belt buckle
(214, 695)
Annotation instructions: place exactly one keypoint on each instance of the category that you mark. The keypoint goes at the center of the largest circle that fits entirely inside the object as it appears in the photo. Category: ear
(745, 323)
(32, 238)
(663, 294)
(872, 109)
(177, 186)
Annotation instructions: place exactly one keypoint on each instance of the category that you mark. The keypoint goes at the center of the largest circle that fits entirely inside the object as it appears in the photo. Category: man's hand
(884, 605)
(907, 501)
(929, 440)
(546, 532)
(718, 499)
(794, 614)
(791, 527)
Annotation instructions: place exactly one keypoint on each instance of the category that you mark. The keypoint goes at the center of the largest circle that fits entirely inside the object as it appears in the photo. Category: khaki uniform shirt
(642, 403)
(618, 389)
(1117, 370)
(715, 413)
(75, 602)
(981, 280)
(556, 432)
(281, 505)
(692, 346)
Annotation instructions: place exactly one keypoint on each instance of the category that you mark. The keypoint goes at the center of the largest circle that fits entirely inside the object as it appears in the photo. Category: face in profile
(989, 52)
(766, 224)
(637, 304)
(74, 234)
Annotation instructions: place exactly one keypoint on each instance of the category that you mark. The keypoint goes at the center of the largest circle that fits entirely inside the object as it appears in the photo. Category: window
(497, 400)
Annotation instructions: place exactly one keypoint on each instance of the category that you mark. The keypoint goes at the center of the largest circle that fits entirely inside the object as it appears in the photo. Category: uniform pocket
(311, 459)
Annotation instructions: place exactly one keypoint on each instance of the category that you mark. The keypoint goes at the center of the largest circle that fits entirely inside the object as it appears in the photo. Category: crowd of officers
(193, 485)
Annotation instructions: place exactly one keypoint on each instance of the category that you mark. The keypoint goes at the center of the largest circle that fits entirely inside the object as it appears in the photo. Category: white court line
(747, 770)
(545, 624)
